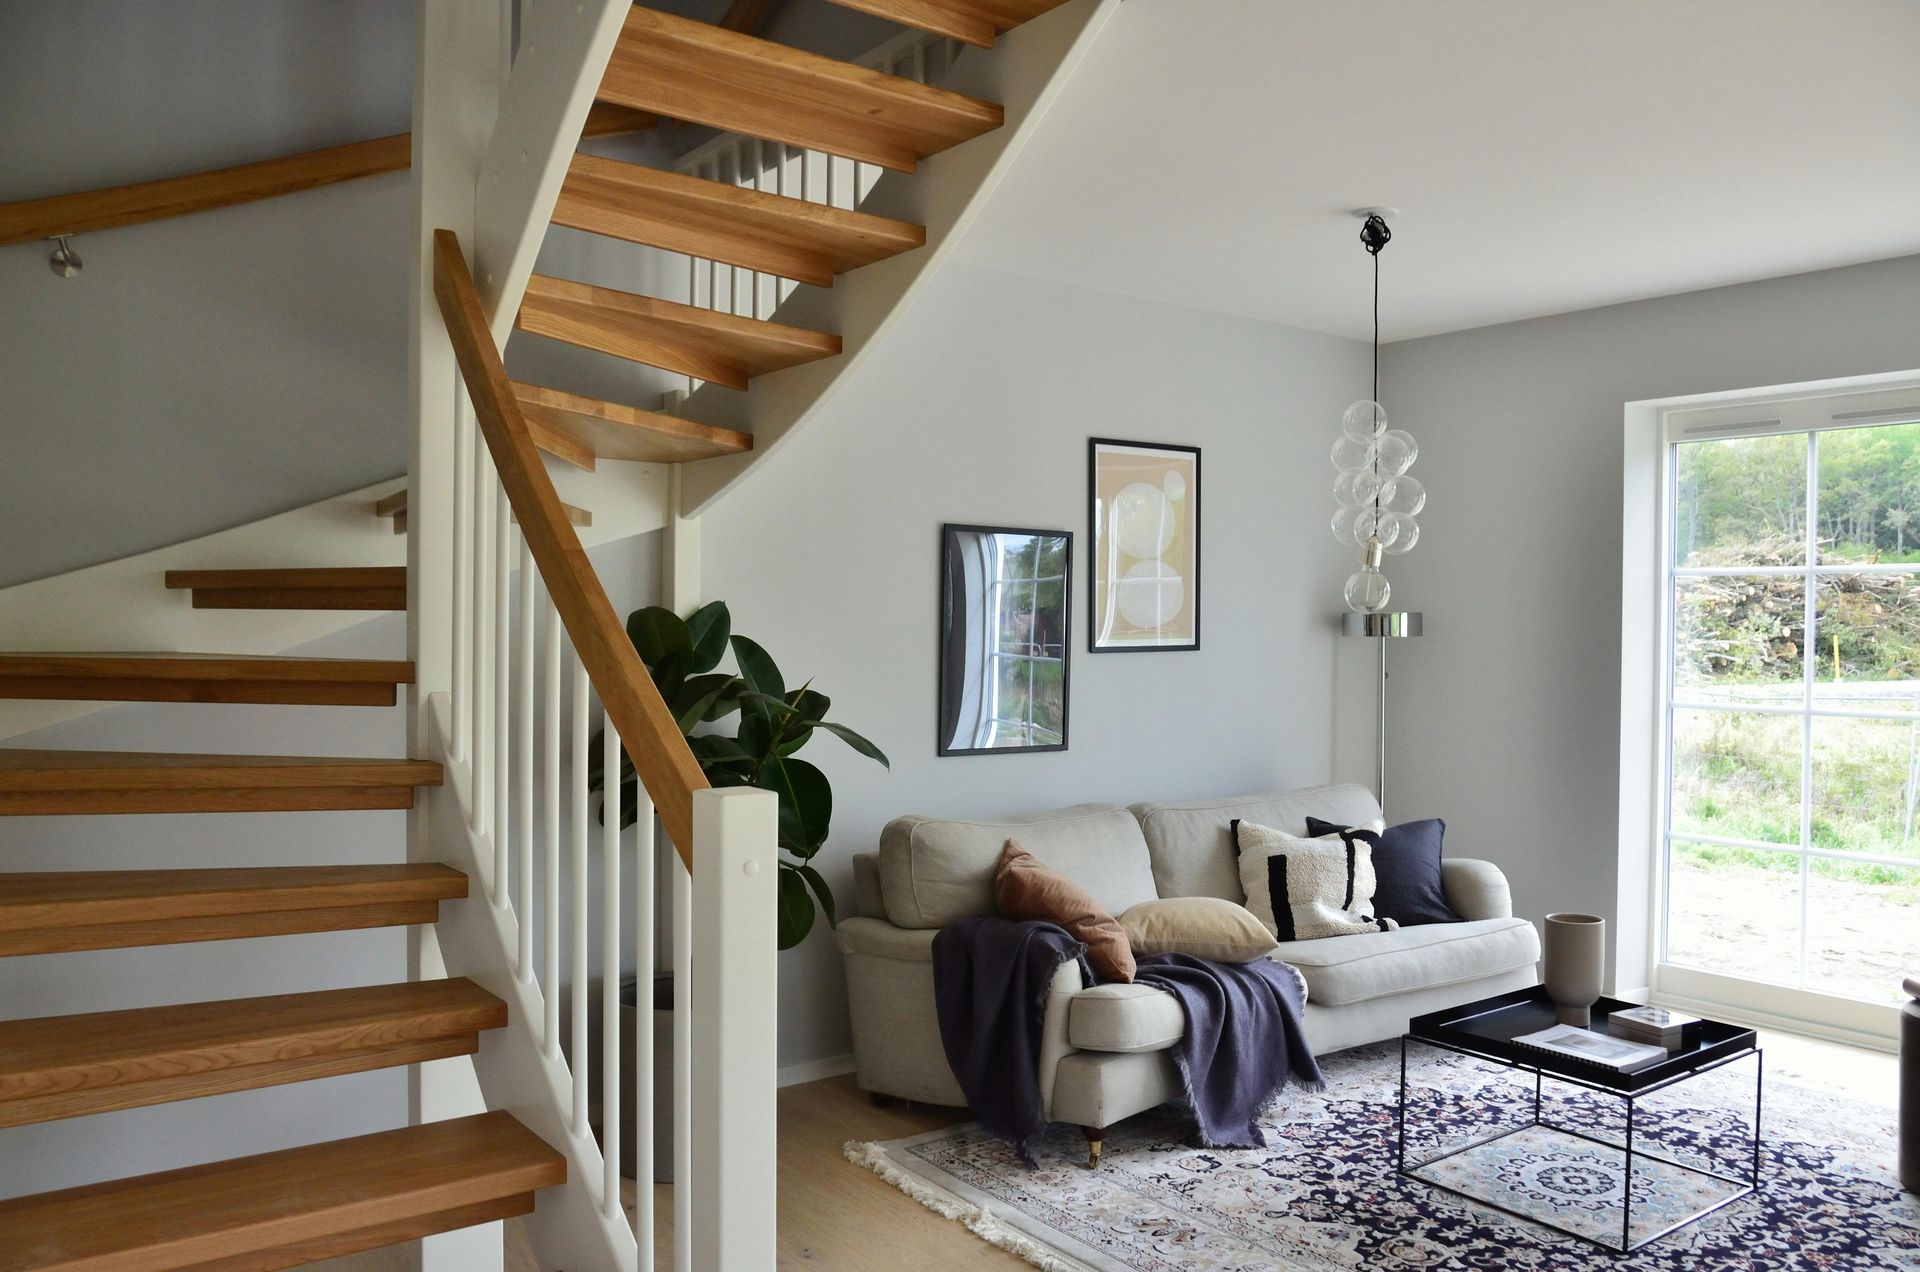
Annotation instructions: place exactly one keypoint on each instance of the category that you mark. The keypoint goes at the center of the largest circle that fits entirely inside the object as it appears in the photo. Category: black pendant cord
(1376, 379)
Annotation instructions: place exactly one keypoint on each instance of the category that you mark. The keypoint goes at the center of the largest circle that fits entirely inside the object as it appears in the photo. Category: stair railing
(538, 657)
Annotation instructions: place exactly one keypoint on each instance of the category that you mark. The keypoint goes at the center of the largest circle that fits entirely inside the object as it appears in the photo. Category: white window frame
(1653, 429)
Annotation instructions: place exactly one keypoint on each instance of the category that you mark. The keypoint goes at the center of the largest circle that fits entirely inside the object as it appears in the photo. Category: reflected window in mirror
(1004, 597)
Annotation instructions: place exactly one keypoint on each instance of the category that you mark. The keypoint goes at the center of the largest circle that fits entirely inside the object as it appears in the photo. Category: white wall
(1506, 714)
(978, 409)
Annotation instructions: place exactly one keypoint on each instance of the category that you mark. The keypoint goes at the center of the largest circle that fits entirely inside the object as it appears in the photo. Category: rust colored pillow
(1025, 888)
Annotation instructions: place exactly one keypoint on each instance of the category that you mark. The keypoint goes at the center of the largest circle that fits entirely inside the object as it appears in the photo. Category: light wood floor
(834, 1214)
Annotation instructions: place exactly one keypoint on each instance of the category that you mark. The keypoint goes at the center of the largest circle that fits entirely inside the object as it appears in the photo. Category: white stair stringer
(476, 939)
(1025, 72)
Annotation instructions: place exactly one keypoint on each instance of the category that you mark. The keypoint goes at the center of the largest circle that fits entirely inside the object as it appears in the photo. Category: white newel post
(735, 1036)
(457, 50)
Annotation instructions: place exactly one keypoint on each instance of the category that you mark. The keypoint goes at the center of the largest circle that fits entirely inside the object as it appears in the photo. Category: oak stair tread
(688, 339)
(294, 1206)
(189, 677)
(682, 69)
(69, 1066)
(967, 23)
(55, 782)
(57, 910)
(612, 430)
(395, 506)
(712, 220)
(367, 587)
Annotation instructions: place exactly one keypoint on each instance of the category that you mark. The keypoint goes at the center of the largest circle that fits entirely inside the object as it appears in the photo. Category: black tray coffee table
(1486, 1031)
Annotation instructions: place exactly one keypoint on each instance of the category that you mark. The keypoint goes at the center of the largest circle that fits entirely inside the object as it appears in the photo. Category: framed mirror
(1004, 597)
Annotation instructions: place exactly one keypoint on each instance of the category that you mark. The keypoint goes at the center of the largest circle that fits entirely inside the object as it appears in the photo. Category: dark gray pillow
(1406, 864)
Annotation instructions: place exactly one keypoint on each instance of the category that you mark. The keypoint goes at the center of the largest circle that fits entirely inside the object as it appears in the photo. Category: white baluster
(683, 1011)
(581, 913)
(645, 868)
(465, 438)
(502, 693)
(610, 1031)
(551, 929)
(523, 792)
(485, 505)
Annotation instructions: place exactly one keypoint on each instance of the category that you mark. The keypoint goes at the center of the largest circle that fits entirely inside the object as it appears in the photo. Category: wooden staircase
(304, 1204)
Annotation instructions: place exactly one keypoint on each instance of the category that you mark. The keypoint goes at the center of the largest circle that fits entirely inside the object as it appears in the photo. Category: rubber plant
(683, 657)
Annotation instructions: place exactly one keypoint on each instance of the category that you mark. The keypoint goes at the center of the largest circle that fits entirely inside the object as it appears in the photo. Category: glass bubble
(1368, 591)
(1404, 495)
(1375, 523)
(1350, 456)
(1343, 491)
(1364, 421)
(1395, 450)
(1342, 525)
(1406, 533)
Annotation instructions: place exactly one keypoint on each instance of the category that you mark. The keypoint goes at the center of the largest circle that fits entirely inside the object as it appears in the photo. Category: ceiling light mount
(1374, 233)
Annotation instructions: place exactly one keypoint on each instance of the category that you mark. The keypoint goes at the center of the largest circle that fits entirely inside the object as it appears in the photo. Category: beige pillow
(1205, 927)
(1024, 887)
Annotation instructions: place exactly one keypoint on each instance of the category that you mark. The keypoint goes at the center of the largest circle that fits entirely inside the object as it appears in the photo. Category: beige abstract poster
(1145, 531)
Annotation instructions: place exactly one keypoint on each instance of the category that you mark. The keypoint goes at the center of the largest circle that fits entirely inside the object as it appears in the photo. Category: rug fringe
(979, 1220)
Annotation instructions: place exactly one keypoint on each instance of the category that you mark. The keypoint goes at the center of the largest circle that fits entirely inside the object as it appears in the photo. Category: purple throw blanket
(1241, 1047)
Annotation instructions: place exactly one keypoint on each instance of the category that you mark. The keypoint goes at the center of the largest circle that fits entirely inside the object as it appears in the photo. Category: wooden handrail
(652, 736)
(146, 201)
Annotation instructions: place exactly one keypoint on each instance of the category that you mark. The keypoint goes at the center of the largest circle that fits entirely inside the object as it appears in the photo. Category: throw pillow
(1024, 887)
(1406, 862)
(1304, 889)
(1205, 927)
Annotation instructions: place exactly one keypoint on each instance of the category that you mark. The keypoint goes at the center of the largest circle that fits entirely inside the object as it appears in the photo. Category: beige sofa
(1104, 1050)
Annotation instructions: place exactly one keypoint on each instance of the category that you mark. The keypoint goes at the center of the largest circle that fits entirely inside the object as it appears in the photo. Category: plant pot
(662, 1078)
(1576, 959)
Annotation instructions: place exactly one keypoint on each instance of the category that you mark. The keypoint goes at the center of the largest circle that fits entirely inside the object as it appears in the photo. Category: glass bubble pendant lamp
(1376, 503)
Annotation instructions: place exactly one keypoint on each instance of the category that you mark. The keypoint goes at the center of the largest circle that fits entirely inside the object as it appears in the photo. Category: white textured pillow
(1304, 889)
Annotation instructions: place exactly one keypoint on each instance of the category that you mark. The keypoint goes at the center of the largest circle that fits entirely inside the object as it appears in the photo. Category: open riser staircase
(803, 227)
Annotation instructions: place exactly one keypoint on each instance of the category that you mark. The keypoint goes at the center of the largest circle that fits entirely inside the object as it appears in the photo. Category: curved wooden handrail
(659, 750)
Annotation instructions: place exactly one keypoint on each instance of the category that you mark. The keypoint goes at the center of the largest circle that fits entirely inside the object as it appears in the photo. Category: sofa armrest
(1475, 889)
(868, 901)
(1054, 1046)
(878, 938)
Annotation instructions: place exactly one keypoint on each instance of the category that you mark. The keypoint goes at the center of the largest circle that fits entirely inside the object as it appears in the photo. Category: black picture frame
(948, 672)
(1093, 540)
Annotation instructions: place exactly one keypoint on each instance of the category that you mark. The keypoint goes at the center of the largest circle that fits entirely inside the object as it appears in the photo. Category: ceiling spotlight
(64, 261)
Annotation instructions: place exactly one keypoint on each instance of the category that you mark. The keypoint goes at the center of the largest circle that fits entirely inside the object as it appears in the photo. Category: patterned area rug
(1324, 1194)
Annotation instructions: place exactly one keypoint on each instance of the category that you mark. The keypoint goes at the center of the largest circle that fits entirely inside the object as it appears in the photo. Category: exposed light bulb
(1368, 589)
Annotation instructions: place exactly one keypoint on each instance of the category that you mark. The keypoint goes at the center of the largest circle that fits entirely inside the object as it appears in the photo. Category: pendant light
(1377, 500)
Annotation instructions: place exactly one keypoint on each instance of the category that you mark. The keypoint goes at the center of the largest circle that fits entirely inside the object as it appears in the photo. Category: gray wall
(1506, 715)
(978, 409)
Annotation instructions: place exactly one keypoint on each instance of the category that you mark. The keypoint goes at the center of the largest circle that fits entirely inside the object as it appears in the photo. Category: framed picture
(1143, 516)
(1003, 639)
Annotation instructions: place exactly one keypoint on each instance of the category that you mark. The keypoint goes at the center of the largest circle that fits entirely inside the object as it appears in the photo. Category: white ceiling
(1545, 155)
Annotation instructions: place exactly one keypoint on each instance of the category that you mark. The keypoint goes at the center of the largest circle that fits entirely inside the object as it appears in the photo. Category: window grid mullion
(1809, 672)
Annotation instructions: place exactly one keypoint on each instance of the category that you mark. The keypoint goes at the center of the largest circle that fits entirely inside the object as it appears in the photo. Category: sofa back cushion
(934, 870)
(1190, 842)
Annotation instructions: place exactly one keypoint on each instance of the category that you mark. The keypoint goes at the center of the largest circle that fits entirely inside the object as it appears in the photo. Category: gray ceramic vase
(1576, 961)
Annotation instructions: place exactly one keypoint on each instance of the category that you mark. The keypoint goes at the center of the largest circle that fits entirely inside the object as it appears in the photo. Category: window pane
(1737, 776)
(1865, 929)
(1741, 501)
(1739, 639)
(1049, 699)
(1869, 505)
(1016, 618)
(1864, 775)
(1866, 631)
(1734, 911)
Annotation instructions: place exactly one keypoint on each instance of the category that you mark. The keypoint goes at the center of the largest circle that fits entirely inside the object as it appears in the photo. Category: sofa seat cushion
(936, 870)
(1357, 969)
(1124, 1018)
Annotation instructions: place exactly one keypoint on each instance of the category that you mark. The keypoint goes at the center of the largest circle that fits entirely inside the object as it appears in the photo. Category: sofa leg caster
(1095, 1135)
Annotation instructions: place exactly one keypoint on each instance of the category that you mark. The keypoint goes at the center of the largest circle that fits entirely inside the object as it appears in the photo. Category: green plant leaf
(698, 696)
(717, 748)
(806, 803)
(855, 741)
(708, 630)
(775, 708)
(758, 669)
(756, 735)
(820, 890)
(796, 908)
(658, 634)
(807, 708)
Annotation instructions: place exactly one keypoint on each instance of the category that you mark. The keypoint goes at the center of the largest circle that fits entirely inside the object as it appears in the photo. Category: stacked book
(1657, 1026)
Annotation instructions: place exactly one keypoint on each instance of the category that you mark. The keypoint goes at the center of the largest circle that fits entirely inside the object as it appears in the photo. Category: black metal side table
(1485, 1030)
